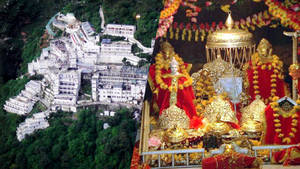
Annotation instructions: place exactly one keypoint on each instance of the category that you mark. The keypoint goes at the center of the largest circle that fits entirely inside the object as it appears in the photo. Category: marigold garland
(204, 87)
(287, 17)
(162, 63)
(277, 122)
(275, 65)
(170, 10)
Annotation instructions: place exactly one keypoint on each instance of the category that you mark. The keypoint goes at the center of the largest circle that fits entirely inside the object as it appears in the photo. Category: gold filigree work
(234, 45)
(254, 111)
(252, 116)
(221, 107)
(172, 117)
(218, 67)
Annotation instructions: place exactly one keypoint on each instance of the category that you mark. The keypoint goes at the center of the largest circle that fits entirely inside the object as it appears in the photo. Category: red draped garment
(264, 83)
(185, 97)
(271, 136)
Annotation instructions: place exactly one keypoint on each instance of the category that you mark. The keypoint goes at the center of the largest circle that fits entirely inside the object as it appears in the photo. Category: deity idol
(282, 122)
(172, 90)
(264, 74)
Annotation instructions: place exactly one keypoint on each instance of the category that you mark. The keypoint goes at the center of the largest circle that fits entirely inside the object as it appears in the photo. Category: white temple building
(24, 102)
(74, 56)
(38, 121)
(78, 52)
(65, 90)
(120, 30)
(119, 85)
(115, 52)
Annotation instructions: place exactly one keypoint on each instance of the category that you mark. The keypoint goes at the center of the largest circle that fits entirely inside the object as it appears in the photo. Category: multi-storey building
(119, 85)
(115, 52)
(38, 121)
(120, 30)
(65, 90)
(23, 103)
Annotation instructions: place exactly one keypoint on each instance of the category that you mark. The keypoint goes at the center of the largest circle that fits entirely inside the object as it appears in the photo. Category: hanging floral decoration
(196, 32)
(166, 16)
(193, 10)
(194, 7)
(288, 18)
(287, 12)
(170, 9)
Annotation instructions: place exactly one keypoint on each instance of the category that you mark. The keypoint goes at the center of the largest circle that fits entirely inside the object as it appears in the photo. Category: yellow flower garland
(204, 86)
(275, 107)
(162, 63)
(276, 65)
(286, 17)
(169, 11)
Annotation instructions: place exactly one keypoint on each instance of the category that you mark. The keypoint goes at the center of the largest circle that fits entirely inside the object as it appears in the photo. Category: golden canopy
(233, 45)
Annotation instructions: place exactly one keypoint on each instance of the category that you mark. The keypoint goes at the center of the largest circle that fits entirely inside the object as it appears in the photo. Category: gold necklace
(294, 124)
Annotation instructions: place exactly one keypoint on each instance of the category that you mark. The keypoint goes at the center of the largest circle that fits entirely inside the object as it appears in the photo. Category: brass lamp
(234, 45)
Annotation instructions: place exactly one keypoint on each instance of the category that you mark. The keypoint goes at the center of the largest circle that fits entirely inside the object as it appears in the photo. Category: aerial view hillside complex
(149, 84)
(72, 81)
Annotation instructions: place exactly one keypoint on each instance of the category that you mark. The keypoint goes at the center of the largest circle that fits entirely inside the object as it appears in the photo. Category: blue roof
(107, 41)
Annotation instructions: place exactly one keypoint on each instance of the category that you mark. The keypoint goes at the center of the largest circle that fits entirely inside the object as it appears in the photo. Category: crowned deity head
(264, 49)
(174, 66)
(167, 49)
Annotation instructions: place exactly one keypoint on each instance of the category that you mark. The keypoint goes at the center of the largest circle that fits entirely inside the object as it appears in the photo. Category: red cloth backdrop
(185, 97)
(229, 161)
(264, 82)
(271, 136)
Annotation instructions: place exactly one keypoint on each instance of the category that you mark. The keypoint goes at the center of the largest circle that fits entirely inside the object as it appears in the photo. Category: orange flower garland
(287, 17)
(161, 63)
(294, 124)
(276, 65)
(204, 87)
(170, 10)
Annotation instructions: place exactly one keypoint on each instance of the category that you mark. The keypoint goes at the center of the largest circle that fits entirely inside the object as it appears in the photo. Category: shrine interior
(223, 87)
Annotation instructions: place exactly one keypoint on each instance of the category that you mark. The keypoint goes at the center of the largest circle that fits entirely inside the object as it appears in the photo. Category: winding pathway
(102, 18)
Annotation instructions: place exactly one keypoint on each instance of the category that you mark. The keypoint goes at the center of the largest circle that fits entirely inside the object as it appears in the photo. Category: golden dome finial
(229, 21)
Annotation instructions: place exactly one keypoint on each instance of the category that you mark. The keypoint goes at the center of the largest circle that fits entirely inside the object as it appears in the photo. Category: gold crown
(166, 46)
(264, 43)
(172, 117)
